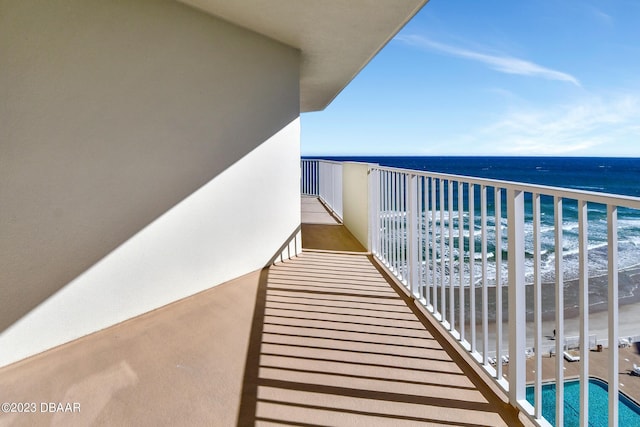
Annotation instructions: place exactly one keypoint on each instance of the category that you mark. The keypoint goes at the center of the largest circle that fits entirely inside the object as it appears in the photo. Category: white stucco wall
(147, 152)
(355, 200)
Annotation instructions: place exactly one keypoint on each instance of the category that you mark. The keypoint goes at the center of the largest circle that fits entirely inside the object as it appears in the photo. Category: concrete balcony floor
(323, 339)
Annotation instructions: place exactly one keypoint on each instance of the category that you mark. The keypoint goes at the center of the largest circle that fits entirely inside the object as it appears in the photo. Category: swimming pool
(628, 411)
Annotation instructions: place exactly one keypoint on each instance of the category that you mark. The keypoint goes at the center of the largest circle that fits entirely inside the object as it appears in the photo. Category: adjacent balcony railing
(323, 178)
(485, 257)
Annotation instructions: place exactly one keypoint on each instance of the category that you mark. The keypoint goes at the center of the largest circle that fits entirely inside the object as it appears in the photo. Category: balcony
(438, 235)
(327, 338)
(358, 329)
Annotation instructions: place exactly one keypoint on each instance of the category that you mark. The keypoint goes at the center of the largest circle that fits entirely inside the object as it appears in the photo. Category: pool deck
(598, 367)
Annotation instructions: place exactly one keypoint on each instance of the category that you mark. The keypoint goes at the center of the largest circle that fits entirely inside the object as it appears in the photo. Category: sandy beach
(629, 310)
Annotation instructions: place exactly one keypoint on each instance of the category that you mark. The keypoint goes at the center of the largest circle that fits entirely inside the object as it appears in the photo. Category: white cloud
(592, 127)
(502, 63)
(599, 15)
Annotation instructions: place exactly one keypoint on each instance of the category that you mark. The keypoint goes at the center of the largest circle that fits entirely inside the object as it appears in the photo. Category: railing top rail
(322, 161)
(584, 195)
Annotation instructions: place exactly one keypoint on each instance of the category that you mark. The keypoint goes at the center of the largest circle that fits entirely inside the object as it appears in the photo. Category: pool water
(628, 411)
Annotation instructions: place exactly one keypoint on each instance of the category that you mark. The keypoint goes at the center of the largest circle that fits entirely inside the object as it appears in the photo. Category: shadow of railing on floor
(339, 347)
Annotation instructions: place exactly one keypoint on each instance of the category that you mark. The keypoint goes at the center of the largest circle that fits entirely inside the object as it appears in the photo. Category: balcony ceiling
(337, 38)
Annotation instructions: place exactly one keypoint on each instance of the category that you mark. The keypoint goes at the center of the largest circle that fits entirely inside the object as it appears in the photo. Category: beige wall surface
(355, 200)
(147, 152)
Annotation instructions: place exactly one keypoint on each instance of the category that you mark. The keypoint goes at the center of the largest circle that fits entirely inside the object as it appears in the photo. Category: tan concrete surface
(340, 347)
(321, 230)
(179, 365)
(314, 212)
(323, 339)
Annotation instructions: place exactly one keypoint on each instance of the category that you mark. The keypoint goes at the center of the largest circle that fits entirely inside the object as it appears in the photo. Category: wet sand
(629, 310)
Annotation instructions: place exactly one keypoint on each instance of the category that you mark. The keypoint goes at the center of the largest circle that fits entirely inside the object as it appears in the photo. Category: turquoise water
(628, 411)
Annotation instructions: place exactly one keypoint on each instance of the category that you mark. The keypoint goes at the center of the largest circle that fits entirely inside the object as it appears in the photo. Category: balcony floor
(323, 339)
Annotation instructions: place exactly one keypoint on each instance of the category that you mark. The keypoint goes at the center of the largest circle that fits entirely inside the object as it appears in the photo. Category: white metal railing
(477, 254)
(323, 178)
(309, 177)
(453, 241)
(461, 245)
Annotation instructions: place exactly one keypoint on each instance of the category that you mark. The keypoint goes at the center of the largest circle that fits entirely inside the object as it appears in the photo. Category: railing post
(517, 318)
(338, 205)
(374, 211)
(583, 303)
(472, 276)
(412, 236)
(537, 304)
(612, 231)
(559, 270)
(461, 257)
(485, 289)
(498, 216)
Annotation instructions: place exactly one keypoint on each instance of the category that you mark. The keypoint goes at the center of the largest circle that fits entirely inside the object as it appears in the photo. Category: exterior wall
(355, 200)
(147, 152)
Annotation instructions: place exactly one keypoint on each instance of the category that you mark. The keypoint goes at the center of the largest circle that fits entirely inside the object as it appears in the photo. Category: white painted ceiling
(337, 38)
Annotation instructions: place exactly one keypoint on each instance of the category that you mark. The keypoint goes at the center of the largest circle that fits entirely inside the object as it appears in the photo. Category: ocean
(604, 174)
(608, 175)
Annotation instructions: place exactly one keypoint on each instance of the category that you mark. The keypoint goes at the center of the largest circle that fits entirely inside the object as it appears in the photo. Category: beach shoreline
(628, 293)
(628, 310)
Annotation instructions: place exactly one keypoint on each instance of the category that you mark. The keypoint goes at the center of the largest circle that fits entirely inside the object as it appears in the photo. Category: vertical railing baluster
(396, 224)
(378, 219)
(559, 329)
(310, 178)
(427, 241)
(450, 186)
(461, 257)
(412, 234)
(313, 180)
(316, 178)
(320, 180)
(472, 278)
(381, 231)
(420, 235)
(306, 176)
(401, 220)
(517, 307)
(434, 257)
(329, 186)
(442, 254)
(381, 255)
(403, 228)
(385, 230)
(498, 216)
(583, 298)
(390, 220)
(485, 290)
(612, 248)
(537, 307)
(392, 226)
(399, 229)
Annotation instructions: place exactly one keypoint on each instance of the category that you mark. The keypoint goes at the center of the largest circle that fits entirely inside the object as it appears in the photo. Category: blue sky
(494, 77)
